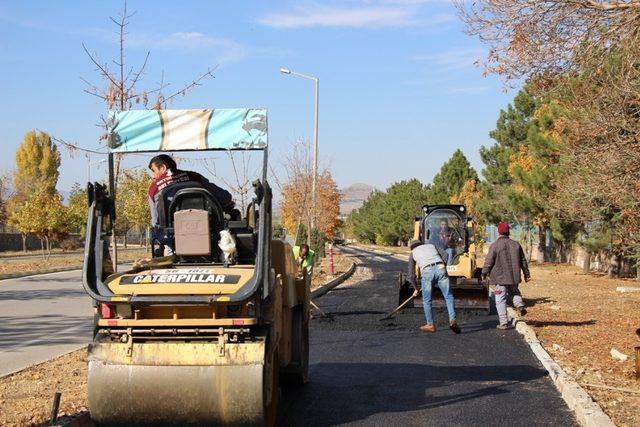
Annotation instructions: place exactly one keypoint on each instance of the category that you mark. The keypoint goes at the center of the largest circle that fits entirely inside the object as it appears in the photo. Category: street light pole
(314, 181)
(89, 163)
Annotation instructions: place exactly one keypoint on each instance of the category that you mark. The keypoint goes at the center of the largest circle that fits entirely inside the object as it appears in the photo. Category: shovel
(323, 315)
(398, 308)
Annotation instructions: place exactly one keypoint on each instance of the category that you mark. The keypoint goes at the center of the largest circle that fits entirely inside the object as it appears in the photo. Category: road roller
(451, 231)
(204, 330)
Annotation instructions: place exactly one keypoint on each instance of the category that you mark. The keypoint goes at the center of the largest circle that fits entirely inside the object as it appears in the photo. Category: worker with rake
(434, 273)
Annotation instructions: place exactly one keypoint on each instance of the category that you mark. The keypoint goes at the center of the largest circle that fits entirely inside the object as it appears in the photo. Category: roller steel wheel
(298, 371)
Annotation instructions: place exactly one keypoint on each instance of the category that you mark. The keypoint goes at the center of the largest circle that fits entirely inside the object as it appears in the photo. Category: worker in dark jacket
(433, 273)
(503, 264)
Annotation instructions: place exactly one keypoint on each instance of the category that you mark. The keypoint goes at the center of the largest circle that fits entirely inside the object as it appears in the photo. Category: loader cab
(445, 226)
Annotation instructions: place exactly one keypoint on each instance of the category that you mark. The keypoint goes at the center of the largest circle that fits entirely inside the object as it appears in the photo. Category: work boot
(522, 311)
(453, 325)
(428, 327)
(503, 326)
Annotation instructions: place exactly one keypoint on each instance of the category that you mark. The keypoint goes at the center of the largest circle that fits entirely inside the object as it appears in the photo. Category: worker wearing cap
(434, 272)
(503, 264)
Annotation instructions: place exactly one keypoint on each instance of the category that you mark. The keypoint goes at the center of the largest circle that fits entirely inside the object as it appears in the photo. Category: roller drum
(160, 385)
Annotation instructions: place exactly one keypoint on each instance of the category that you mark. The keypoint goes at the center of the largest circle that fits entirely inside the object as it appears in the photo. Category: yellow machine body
(216, 364)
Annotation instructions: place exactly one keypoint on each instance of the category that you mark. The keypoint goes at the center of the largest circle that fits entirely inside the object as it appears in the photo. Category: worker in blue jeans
(434, 272)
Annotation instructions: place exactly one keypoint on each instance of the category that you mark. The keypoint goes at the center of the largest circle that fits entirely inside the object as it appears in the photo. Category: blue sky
(399, 92)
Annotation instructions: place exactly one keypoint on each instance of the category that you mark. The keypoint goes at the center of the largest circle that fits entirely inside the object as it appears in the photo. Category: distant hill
(353, 196)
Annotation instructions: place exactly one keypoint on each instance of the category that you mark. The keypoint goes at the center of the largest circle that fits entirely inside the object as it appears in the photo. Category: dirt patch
(9, 265)
(26, 396)
(321, 273)
(579, 318)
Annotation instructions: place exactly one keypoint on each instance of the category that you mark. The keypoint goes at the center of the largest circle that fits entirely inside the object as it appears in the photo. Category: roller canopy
(183, 130)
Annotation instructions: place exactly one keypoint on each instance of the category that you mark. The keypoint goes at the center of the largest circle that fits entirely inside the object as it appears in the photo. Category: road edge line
(587, 411)
(323, 289)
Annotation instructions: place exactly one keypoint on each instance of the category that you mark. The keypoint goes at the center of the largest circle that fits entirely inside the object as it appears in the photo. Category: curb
(36, 272)
(323, 289)
(588, 413)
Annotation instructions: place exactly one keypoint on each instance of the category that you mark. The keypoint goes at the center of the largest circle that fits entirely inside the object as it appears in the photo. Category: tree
(546, 37)
(366, 222)
(4, 197)
(120, 91)
(240, 186)
(77, 208)
(36, 172)
(510, 134)
(387, 218)
(470, 196)
(37, 164)
(295, 209)
(582, 54)
(133, 205)
(44, 215)
(450, 180)
(403, 202)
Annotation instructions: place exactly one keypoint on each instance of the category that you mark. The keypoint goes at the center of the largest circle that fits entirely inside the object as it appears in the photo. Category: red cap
(503, 228)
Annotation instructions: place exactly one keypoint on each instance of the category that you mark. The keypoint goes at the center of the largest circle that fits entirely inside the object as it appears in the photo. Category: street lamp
(316, 82)
(89, 163)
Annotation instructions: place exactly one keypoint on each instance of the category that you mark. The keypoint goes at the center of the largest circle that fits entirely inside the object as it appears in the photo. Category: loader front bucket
(468, 294)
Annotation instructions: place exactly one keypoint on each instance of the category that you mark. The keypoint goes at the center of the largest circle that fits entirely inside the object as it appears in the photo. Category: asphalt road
(363, 371)
(42, 317)
(367, 372)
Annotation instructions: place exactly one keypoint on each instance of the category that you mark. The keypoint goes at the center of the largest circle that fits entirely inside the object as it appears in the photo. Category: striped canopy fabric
(185, 130)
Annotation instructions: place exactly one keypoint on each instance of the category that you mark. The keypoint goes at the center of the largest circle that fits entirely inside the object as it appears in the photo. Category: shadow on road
(348, 392)
(19, 332)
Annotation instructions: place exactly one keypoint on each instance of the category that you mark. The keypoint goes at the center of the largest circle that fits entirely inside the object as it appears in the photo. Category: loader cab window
(446, 231)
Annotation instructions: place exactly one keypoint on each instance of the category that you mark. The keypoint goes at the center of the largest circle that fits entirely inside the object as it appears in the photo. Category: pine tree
(450, 180)
(499, 202)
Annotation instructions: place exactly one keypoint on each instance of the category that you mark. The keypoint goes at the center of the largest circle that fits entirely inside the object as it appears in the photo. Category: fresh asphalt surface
(367, 372)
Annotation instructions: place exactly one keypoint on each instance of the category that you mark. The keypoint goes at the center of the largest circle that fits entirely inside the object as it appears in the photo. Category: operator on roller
(434, 272)
(503, 264)
(166, 173)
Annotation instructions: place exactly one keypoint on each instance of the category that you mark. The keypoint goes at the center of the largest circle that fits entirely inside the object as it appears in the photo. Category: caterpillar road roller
(451, 230)
(202, 332)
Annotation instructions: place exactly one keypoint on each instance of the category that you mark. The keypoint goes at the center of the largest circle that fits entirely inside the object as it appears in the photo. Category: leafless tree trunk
(586, 263)
(120, 92)
(542, 243)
